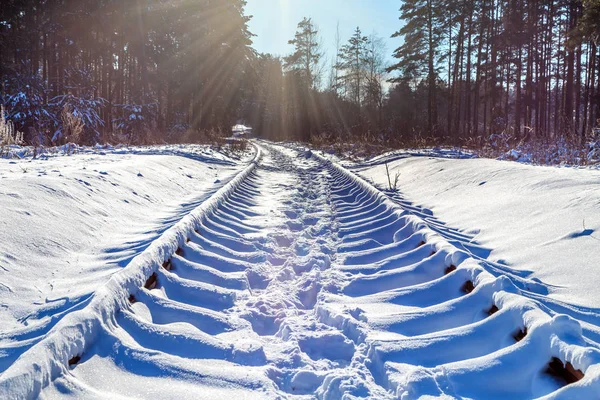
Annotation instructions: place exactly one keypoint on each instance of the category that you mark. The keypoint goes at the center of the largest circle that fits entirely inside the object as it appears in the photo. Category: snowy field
(69, 222)
(543, 222)
(183, 273)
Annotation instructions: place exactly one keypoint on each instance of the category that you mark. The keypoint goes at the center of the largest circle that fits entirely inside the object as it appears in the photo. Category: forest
(468, 72)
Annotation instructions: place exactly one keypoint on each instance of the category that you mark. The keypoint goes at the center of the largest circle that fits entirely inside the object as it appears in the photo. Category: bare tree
(334, 77)
(376, 75)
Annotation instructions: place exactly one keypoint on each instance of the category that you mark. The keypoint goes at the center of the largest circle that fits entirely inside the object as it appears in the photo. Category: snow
(540, 221)
(240, 130)
(293, 277)
(77, 330)
(438, 337)
(71, 222)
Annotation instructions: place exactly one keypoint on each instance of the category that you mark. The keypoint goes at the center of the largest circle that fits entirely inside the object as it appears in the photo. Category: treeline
(468, 70)
(178, 70)
(136, 70)
(304, 97)
(479, 67)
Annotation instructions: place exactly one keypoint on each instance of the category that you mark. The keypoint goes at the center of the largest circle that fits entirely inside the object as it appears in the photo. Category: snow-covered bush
(593, 146)
(134, 124)
(41, 121)
(558, 150)
(9, 136)
(24, 102)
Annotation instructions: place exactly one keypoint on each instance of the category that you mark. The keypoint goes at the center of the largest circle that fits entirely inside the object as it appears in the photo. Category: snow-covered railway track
(299, 279)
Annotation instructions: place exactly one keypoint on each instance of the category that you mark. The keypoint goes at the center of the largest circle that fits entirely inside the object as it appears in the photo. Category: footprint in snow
(84, 182)
(329, 345)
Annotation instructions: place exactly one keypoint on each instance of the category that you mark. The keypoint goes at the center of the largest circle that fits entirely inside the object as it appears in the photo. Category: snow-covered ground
(69, 222)
(545, 220)
(293, 277)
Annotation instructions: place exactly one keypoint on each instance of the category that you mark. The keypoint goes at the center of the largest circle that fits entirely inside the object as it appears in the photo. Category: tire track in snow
(52, 363)
(230, 313)
(303, 352)
(299, 279)
(434, 320)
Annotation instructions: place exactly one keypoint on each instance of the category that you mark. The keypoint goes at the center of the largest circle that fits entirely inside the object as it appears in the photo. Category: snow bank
(69, 338)
(539, 222)
(73, 221)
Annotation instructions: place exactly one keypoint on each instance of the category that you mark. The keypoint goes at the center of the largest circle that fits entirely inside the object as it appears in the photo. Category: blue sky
(275, 21)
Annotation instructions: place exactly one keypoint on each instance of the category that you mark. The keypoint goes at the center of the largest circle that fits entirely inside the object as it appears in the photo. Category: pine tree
(375, 66)
(305, 61)
(419, 54)
(131, 67)
(353, 63)
(588, 31)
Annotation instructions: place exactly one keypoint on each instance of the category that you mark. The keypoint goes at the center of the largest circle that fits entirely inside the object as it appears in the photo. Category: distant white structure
(241, 130)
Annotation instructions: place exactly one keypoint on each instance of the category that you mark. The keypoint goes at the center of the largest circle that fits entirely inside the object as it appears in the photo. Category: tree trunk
(518, 100)
(432, 101)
